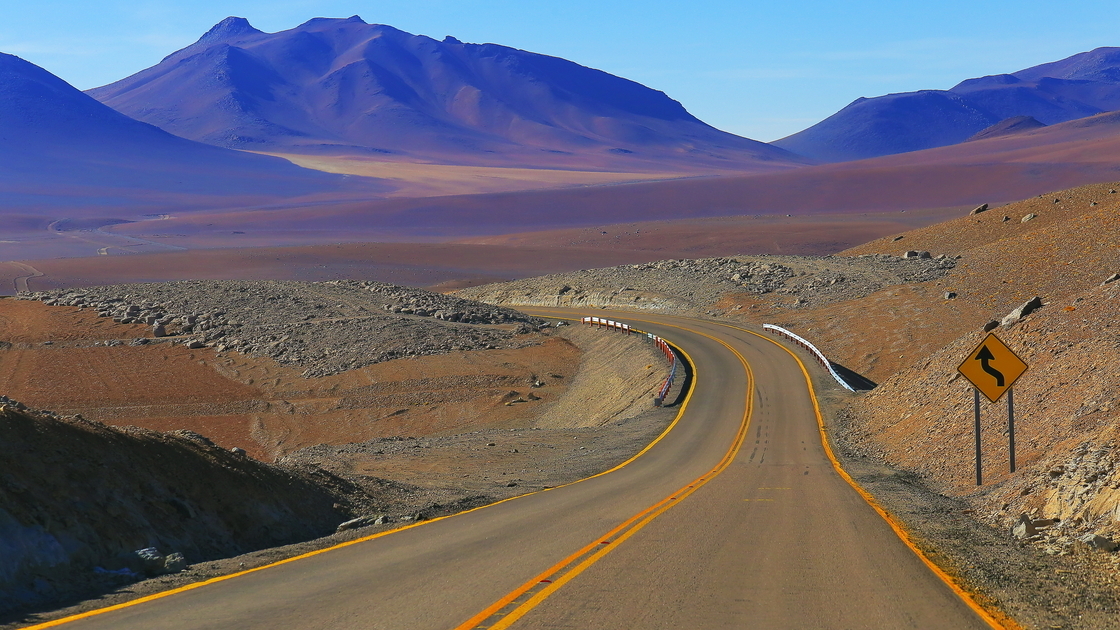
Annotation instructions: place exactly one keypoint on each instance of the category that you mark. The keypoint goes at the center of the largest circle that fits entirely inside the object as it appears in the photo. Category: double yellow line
(507, 610)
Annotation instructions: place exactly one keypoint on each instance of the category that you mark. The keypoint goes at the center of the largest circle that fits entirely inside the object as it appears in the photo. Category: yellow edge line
(994, 618)
(222, 578)
(665, 504)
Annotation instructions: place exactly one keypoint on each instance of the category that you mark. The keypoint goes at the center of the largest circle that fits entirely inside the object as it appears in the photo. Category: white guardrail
(667, 350)
(804, 343)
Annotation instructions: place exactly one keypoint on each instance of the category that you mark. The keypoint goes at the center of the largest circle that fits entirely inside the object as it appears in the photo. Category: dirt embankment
(78, 498)
(407, 438)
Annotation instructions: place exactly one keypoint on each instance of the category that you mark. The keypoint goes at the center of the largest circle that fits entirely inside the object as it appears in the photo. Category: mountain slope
(59, 146)
(344, 86)
(1082, 85)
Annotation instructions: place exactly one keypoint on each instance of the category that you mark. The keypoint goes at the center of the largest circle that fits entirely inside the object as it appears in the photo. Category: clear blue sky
(758, 69)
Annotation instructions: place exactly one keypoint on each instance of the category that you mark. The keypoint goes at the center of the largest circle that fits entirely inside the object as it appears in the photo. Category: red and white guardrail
(664, 346)
(804, 343)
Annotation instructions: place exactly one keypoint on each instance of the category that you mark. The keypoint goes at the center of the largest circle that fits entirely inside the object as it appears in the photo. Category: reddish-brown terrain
(56, 360)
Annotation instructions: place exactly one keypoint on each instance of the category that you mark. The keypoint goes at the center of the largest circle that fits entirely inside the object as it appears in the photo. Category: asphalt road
(734, 519)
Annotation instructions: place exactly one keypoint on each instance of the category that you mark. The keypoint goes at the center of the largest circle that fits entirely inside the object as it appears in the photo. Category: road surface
(736, 518)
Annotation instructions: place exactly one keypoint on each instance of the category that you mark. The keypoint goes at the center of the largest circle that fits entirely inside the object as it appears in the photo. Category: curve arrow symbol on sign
(984, 357)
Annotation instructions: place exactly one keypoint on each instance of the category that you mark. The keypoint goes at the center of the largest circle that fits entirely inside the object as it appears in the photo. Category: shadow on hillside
(858, 381)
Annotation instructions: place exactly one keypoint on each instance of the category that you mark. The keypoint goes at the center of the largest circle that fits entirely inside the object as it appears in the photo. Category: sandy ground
(413, 179)
(58, 359)
(469, 262)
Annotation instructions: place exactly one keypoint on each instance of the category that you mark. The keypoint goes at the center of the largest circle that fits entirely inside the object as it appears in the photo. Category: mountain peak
(341, 85)
(230, 27)
(317, 21)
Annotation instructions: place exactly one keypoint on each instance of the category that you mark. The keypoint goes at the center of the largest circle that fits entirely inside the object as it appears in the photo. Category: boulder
(151, 560)
(1096, 541)
(949, 295)
(979, 209)
(159, 330)
(1109, 280)
(1024, 528)
(362, 521)
(990, 326)
(174, 562)
(1025, 309)
(1028, 217)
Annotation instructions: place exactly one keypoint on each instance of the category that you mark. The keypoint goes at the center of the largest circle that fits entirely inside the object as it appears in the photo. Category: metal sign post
(976, 407)
(993, 368)
(1011, 426)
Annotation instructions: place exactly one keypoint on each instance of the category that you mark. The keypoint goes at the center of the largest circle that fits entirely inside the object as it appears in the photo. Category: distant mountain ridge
(1082, 85)
(54, 138)
(343, 86)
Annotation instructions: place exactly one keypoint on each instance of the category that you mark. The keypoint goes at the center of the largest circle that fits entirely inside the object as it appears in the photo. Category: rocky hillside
(324, 327)
(85, 506)
(697, 286)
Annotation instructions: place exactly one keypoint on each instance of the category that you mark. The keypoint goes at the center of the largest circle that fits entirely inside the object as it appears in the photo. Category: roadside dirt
(404, 440)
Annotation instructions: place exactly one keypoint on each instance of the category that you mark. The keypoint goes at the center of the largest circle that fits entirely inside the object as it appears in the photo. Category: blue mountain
(1083, 85)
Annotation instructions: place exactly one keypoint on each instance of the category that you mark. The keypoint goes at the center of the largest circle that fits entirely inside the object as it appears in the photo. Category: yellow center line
(520, 601)
(991, 613)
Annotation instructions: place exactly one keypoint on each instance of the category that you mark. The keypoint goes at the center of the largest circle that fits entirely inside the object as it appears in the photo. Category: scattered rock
(1028, 217)
(1024, 528)
(362, 521)
(174, 562)
(1025, 309)
(979, 209)
(322, 327)
(949, 295)
(1006, 218)
(990, 326)
(897, 238)
(151, 560)
(240, 452)
(1096, 541)
(1109, 280)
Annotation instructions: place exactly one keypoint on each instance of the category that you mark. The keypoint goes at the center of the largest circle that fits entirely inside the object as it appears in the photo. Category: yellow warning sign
(992, 367)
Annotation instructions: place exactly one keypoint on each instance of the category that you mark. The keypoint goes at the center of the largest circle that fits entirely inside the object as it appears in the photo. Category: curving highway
(735, 518)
